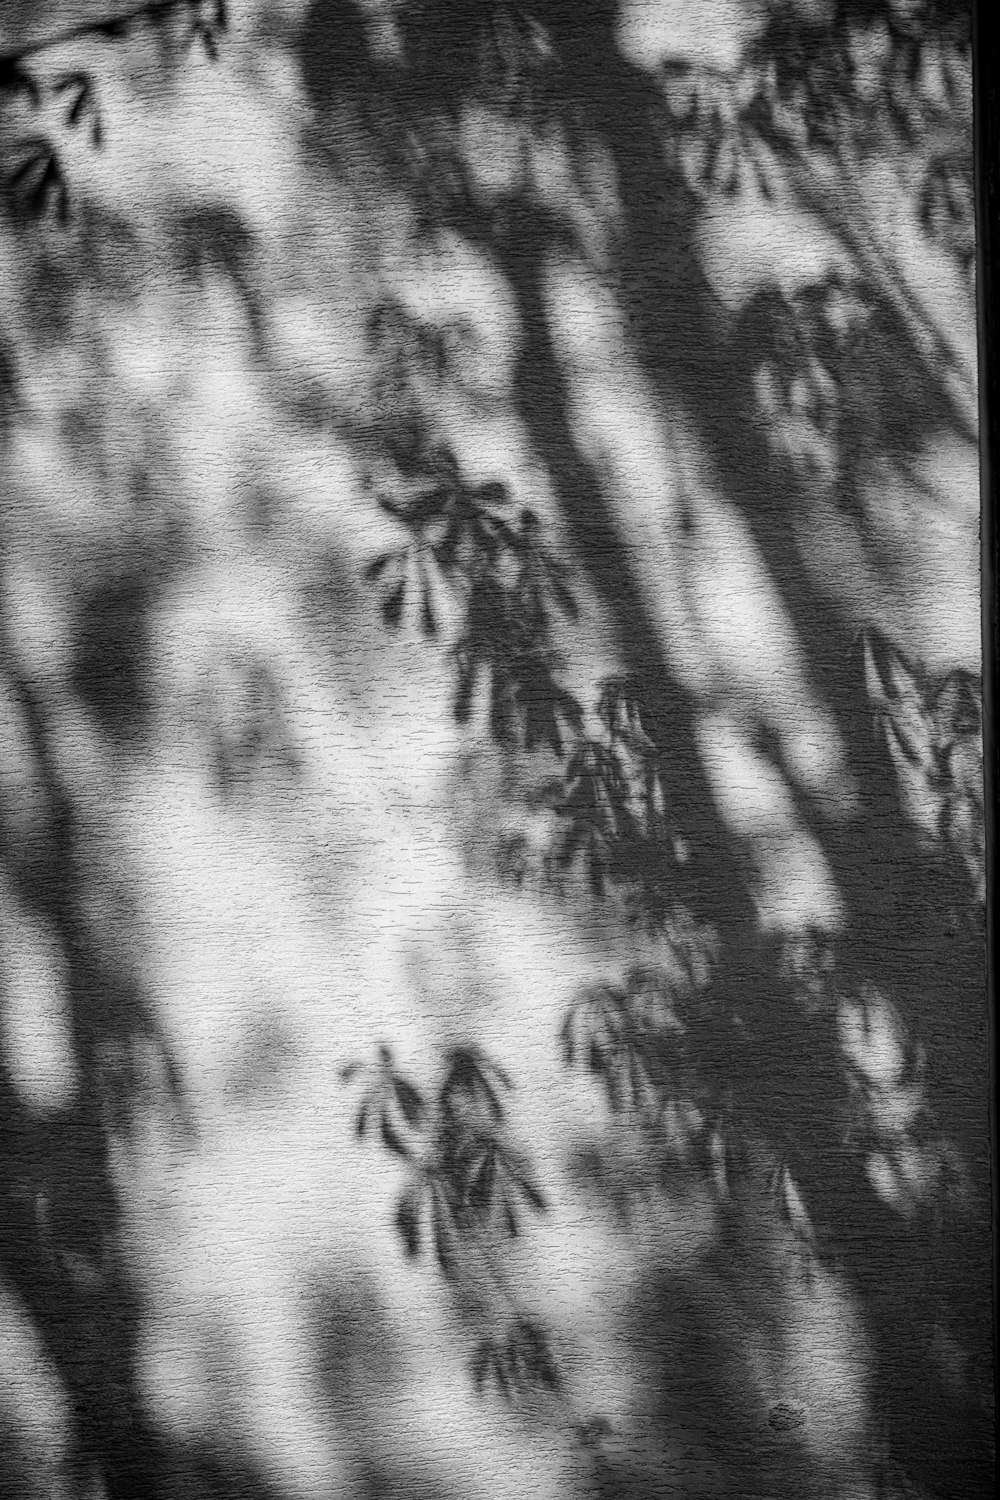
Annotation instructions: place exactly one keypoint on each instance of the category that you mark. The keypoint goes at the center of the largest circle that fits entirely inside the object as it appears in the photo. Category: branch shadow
(60, 1247)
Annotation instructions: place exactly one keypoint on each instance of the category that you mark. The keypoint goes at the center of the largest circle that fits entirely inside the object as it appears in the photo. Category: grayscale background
(492, 879)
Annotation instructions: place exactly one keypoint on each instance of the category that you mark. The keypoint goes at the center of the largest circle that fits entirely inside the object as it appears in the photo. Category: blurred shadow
(111, 671)
(901, 896)
(216, 239)
(188, 1473)
(667, 710)
(59, 1242)
(898, 892)
(364, 1373)
(779, 1056)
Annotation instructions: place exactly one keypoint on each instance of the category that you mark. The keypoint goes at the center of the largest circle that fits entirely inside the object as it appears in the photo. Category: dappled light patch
(753, 798)
(35, 1015)
(912, 1167)
(718, 31)
(491, 813)
(932, 729)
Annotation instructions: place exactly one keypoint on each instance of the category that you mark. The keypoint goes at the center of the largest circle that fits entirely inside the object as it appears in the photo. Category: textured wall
(492, 994)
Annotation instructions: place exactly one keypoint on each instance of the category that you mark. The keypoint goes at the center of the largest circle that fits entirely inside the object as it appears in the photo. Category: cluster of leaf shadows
(676, 1050)
(468, 1187)
(463, 543)
(678, 1047)
(876, 79)
(931, 728)
(676, 1053)
(465, 539)
(679, 1056)
(37, 184)
(695, 1061)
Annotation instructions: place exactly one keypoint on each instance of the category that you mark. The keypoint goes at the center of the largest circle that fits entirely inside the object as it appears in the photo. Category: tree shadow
(215, 239)
(901, 894)
(364, 1371)
(782, 1058)
(60, 1246)
(898, 890)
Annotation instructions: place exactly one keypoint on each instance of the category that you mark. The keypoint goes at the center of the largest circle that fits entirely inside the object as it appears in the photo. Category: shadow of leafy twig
(38, 184)
(467, 1189)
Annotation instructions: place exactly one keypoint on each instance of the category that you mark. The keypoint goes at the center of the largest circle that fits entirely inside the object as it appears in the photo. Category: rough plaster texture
(245, 839)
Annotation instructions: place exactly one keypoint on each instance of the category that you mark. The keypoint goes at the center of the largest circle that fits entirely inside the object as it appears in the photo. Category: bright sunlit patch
(311, 879)
(722, 623)
(618, 427)
(709, 32)
(872, 1036)
(795, 887)
(36, 1022)
(749, 242)
(747, 631)
(825, 1368)
(890, 1183)
(452, 283)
